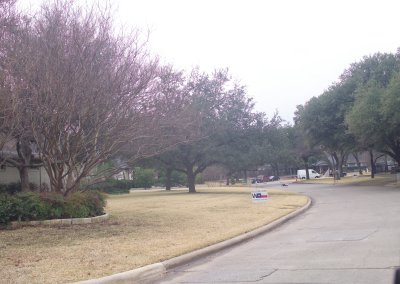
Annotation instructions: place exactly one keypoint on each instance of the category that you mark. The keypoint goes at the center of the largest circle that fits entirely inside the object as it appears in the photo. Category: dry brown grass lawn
(145, 227)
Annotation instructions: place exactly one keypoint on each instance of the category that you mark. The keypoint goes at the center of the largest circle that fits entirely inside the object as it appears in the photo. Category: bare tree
(8, 103)
(176, 122)
(13, 132)
(86, 92)
(8, 17)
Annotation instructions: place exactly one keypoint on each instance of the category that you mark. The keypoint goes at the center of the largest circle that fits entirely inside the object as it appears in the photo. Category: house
(124, 170)
(383, 163)
(9, 172)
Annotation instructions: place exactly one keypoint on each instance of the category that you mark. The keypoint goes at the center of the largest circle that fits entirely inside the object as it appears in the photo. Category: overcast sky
(284, 51)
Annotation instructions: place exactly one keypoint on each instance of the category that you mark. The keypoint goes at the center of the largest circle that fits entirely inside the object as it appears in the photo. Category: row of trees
(356, 114)
(75, 94)
(229, 133)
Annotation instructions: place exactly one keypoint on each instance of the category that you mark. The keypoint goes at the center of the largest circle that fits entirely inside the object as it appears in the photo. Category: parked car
(259, 179)
(301, 174)
(342, 175)
(273, 178)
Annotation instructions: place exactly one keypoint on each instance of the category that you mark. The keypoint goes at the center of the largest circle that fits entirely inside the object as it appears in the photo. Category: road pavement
(351, 234)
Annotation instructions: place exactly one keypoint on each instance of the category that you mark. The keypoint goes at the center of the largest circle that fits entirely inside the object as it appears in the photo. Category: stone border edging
(152, 272)
(54, 222)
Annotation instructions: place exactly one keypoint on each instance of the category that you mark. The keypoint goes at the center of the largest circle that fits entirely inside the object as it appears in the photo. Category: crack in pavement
(262, 277)
(265, 276)
(344, 239)
(342, 268)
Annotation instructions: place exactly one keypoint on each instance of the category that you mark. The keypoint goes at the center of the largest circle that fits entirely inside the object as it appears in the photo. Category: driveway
(349, 235)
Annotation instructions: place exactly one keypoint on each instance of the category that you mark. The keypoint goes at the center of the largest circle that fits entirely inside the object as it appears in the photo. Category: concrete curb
(145, 274)
(153, 272)
(57, 222)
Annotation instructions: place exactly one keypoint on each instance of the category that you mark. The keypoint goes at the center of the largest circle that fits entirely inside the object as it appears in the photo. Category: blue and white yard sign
(259, 196)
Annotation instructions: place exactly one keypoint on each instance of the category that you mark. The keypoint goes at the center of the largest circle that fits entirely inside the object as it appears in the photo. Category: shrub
(7, 212)
(33, 187)
(199, 179)
(11, 188)
(34, 206)
(56, 204)
(115, 190)
(177, 178)
(113, 186)
(44, 187)
(144, 178)
(75, 206)
(95, 201)
(30, 206)
(84, 204)
(15, 187)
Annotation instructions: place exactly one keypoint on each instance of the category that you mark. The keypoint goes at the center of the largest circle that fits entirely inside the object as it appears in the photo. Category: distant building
(10, 174)
(383, 163)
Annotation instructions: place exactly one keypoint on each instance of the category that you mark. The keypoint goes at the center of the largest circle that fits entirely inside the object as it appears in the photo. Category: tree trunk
(24, 152)
(168, 173)
(306, 166)
(228, 178)
(70, 186)
(371, 155)
(336, 173)
(394, 151)
(71, 189)
(59, 185)
(342, 161)
(191, 178)
(245, 176)
(24, 176)
(277, 169)
(358, 163)
(386, 164)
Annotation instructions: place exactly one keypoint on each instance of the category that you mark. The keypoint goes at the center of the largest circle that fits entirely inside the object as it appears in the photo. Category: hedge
(113, 186)
(30, 206)
(144, 178)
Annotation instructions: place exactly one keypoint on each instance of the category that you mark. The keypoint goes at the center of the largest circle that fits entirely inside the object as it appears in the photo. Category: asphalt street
(351, 234)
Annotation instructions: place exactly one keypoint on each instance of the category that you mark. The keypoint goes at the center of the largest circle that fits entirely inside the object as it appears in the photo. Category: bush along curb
(57, 222)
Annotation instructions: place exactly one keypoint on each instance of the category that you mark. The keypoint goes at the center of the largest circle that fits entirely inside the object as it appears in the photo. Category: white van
(301, 174)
